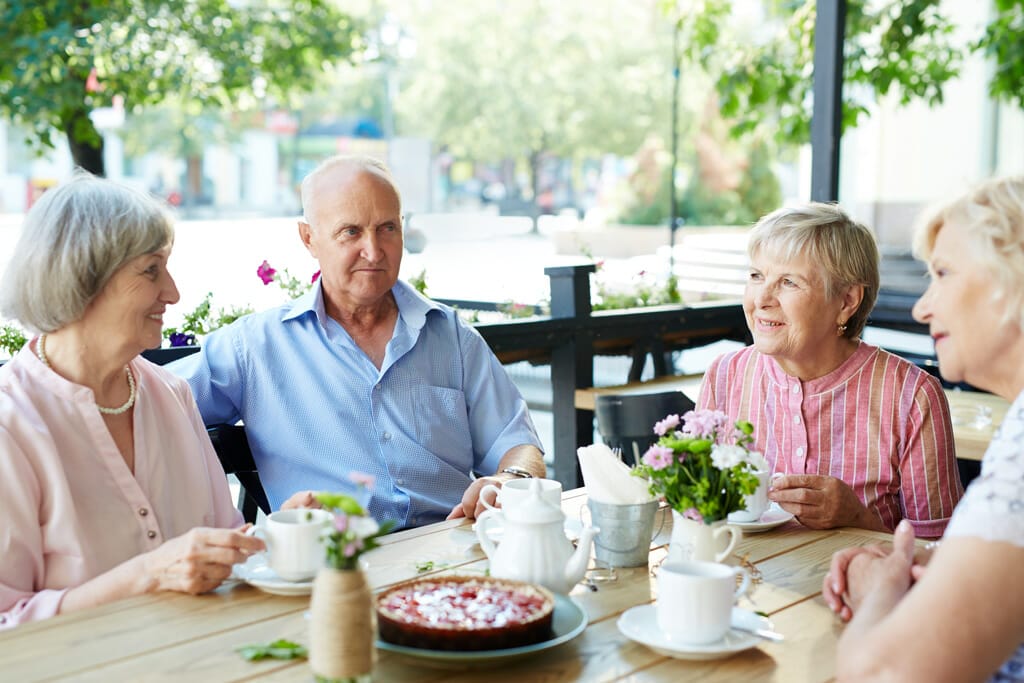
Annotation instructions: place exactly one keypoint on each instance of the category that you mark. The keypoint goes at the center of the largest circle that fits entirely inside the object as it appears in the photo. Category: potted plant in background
(703, 469)
(343, 620)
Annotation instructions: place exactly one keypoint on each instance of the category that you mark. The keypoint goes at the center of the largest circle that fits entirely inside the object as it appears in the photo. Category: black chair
(232, 448)
(626, 421)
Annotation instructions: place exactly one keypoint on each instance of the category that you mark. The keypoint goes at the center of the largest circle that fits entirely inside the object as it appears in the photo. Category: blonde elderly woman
(109, 486)
(962, 618)
(859, 436)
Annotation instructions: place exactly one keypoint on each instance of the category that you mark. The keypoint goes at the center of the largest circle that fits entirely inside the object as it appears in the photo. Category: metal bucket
(626, 532)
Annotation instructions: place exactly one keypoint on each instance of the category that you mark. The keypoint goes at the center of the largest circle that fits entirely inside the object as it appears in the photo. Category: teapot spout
(577, 565)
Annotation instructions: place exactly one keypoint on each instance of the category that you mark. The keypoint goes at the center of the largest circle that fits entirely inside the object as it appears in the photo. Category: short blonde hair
(823, 233)
(72, 242)
(357, 163)
(993, 212)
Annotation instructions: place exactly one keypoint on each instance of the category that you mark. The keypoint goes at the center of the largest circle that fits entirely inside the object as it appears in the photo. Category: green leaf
(278, 649)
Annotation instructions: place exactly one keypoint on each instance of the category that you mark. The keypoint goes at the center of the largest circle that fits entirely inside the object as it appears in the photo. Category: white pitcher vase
(694, 541)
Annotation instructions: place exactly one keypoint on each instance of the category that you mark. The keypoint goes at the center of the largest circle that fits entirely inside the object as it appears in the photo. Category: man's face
(355, 232)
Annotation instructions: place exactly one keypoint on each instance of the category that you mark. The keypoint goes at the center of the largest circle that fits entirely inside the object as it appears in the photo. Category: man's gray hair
(72, 242)
(844, 250)
(356, 162)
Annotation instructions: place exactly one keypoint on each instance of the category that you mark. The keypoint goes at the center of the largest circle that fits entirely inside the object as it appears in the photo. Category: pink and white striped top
(877, 422)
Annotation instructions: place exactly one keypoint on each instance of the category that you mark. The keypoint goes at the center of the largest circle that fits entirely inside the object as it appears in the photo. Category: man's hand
(301, 499)
(821, 502)
(472, 504)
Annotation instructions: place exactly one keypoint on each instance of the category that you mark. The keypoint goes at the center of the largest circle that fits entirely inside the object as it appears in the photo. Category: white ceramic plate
(256, 572)
(641, 624)
(573, 529)
(772, 517)
(568, 621)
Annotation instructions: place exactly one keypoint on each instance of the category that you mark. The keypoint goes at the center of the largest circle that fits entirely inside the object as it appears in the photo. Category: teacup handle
(483, 498)
(744, 585)
(735, 534)
(482, 522)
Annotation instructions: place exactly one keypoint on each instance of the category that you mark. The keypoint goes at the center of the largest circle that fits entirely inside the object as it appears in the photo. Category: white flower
(758, 463)
(725, 457)
(363, 526)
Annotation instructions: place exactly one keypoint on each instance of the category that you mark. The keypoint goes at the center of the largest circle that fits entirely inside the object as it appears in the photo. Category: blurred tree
(906, 46)
(519, 80)
(65, 58)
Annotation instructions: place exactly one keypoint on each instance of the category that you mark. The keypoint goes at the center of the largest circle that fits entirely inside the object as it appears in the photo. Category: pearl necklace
(41, 352)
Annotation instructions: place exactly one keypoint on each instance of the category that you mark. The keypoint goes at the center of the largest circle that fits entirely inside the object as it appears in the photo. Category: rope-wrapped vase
(343, 626)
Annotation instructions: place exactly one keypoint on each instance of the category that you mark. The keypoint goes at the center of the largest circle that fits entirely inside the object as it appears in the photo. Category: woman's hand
(821, 502)
(198, 560)
(843, 586)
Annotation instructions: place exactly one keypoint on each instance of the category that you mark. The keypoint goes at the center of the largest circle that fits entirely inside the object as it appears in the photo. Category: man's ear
(306, 235)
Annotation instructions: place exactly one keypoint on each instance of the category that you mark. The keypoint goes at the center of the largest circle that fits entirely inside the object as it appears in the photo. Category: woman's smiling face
(790, 317)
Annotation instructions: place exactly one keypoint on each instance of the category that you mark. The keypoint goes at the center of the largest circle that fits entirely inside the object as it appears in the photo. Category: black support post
(572, 367)
(826, 131)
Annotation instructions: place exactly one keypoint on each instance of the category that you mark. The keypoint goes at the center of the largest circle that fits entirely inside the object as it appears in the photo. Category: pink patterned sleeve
(930, 481)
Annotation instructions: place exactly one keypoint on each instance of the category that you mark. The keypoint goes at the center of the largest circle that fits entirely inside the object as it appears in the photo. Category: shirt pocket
(442, 424)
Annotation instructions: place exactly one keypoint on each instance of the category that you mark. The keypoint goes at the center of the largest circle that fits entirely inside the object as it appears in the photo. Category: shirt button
(387, 436)
(796, 388)
(143, 511)
(400, 482)
(796, 419)
(800, 451)
(151, 534)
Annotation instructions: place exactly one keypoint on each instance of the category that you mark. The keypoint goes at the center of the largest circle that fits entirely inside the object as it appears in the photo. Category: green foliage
(902, 45)
(278, 649)
(12, 338)
(419, 282)
(640, 293)
(1003, 42)
(758, 193)
(512, 309)
(214, 52)
(201, 320)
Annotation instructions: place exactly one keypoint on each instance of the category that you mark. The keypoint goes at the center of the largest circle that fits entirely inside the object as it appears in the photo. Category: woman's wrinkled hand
(198, 560)
(818, 501)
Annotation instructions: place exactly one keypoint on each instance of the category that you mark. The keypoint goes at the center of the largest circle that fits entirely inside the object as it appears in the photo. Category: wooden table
(176, 637)
(971, 440)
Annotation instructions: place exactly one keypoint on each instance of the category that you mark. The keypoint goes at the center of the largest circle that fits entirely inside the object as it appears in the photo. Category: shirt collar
(412, 306)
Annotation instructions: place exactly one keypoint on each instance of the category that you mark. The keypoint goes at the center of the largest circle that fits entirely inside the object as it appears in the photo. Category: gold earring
(840, 329)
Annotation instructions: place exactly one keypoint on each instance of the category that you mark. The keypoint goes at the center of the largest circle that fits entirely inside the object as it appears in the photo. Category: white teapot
(534, 547)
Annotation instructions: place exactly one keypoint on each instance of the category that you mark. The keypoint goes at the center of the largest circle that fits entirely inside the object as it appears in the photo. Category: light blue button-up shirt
(316, 408)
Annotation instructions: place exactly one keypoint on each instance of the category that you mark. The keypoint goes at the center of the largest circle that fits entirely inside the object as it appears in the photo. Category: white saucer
(573, 529)
(257, 573)
(772, 517)
(641, 624)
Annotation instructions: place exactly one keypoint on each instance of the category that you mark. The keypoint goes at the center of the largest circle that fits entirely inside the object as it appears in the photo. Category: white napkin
(608, 479)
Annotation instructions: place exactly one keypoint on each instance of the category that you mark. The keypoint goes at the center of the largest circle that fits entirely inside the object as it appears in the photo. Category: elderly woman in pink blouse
(859, 436)
(109, 486)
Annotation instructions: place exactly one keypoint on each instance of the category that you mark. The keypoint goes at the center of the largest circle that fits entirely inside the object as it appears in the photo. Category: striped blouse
(877, 422)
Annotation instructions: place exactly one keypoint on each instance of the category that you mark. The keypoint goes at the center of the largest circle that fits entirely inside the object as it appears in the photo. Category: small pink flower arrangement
(353, 531)
(701, 465)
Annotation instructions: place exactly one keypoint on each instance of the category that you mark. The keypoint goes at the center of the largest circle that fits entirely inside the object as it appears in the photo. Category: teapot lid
(534, 509)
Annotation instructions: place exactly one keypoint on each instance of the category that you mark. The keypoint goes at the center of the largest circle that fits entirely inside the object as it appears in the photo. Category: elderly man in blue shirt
(363, 374)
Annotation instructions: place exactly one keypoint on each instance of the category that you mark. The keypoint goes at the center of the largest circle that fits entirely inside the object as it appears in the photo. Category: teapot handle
(482, 522)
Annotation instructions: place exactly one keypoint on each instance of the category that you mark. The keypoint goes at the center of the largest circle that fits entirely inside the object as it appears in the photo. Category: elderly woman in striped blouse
(859, 436)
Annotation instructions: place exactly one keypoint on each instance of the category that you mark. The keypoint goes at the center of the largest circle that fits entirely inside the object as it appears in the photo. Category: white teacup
(695, 600)
(515, 491)
(293, 537)
(757, 502)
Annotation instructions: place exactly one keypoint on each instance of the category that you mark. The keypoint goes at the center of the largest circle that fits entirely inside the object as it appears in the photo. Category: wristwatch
(517, 472)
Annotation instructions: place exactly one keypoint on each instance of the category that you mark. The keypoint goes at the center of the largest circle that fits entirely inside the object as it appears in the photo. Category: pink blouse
(877, 422)
(70, 507)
